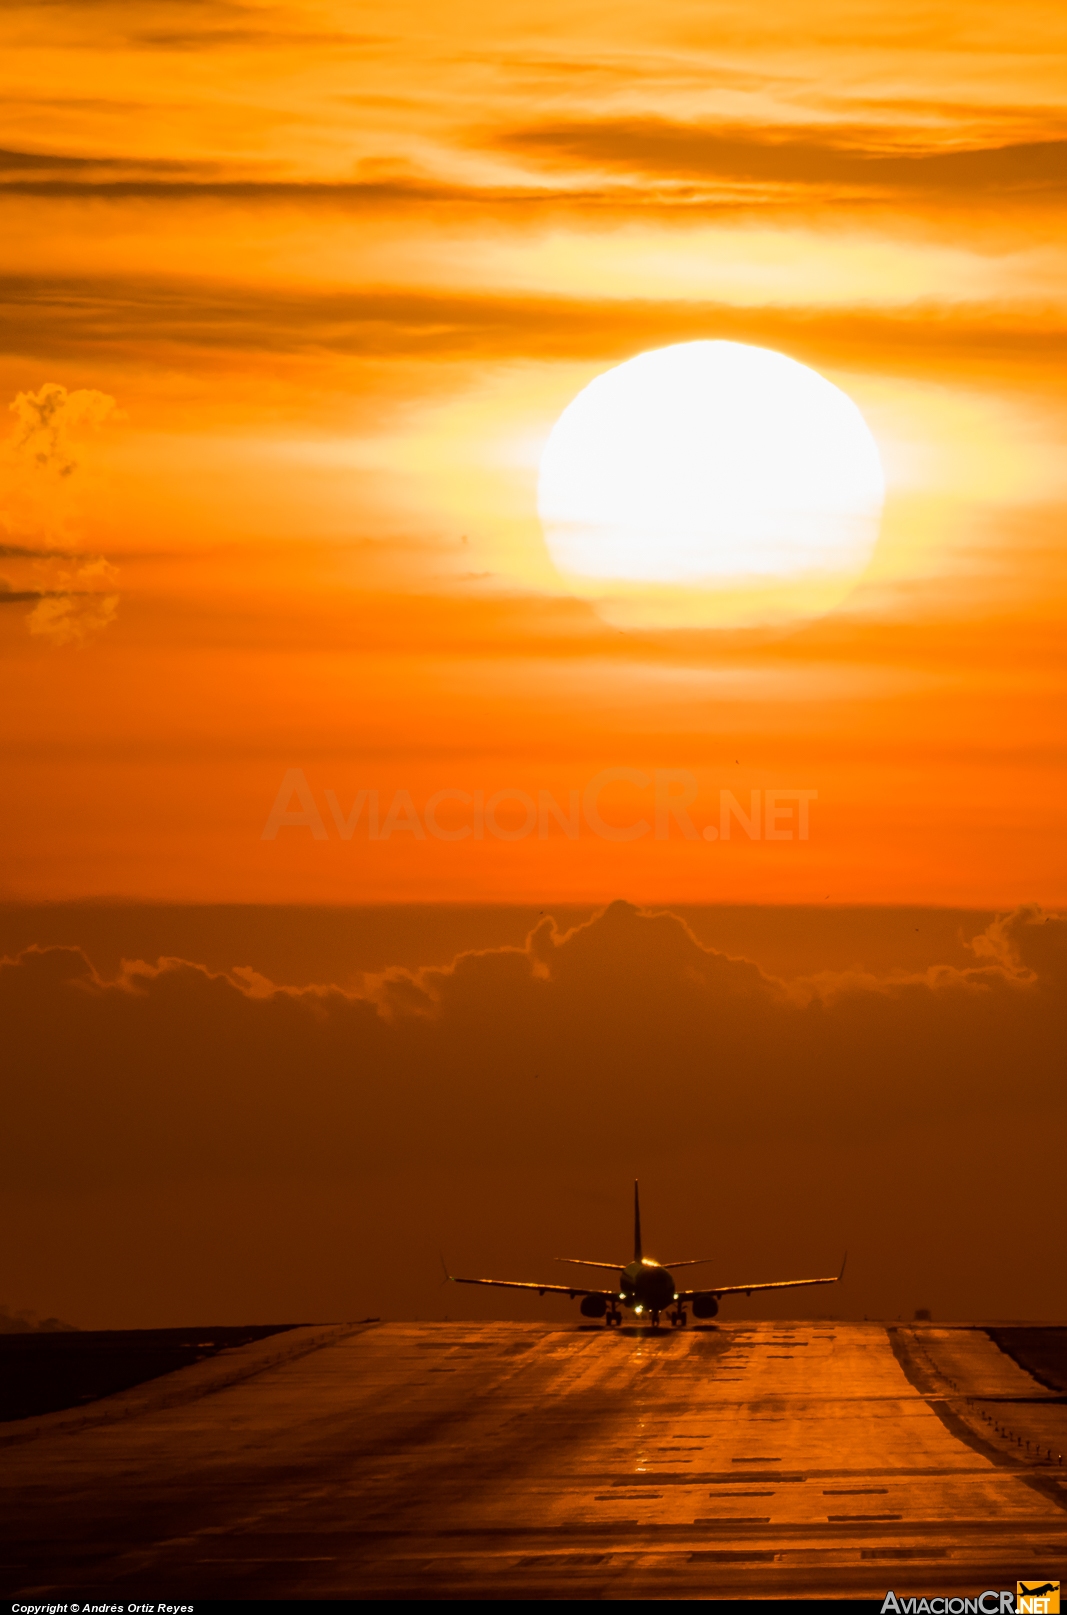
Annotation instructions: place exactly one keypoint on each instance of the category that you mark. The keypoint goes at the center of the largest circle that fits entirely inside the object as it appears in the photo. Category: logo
(1030, 1598)
(1037, 1598)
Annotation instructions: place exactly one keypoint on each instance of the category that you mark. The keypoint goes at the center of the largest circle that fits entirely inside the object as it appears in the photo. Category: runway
(526, 1462)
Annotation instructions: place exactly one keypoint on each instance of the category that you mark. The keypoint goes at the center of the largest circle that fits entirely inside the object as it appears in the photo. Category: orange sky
(340, 271)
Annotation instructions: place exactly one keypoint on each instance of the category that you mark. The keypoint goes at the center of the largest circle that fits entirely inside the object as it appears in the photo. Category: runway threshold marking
(903, 1553)
(697, 1480)
(730, 1556)
(738, 1519)
(838, 1519)
(609, 1497)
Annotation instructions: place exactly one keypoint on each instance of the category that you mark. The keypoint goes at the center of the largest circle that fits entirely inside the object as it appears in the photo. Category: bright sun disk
(711, 484)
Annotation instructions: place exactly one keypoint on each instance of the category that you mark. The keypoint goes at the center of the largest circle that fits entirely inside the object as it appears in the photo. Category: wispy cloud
(34, 168)
(53, 317)
(784, 156)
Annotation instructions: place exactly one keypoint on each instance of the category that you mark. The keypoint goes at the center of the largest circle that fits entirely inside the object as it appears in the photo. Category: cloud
(851, 160)
(17, 597)
(174, 321)
(121, 179)
(190, 24)
(72, 618)
(616, 169)
(67, 615)
(30, 168)
(44, 424)
(177, 1072)
(202, 1140)
(271, 38)
(34, 161)
(1028, 944)
(30, 552)
(37, 464)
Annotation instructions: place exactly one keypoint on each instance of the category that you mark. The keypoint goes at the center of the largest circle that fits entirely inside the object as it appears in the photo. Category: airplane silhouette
(1032, 1590)
(646, 1287)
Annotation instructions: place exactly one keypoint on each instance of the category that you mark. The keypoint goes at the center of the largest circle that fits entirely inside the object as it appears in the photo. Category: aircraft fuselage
(644, 1286)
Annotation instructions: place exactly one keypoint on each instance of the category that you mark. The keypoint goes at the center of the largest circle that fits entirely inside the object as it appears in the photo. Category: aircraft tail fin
(637, 1223)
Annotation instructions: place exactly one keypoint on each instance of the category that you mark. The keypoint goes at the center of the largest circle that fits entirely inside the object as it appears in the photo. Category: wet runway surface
(521, 1461)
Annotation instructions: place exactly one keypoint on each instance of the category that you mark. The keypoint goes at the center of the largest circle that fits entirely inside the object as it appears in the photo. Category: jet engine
(705, 1306)
(593, 1306)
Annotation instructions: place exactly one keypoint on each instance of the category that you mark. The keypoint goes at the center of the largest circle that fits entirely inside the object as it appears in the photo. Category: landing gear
(678, 1316)
(655, 1320)
(613, 1317)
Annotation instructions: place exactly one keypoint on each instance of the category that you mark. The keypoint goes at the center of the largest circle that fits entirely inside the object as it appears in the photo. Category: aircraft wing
(750, 1289)
(579, 1261)
(542, 1289)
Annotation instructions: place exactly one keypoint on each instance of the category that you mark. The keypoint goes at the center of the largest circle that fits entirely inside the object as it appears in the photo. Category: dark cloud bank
(193, 1073)
(845, 1104)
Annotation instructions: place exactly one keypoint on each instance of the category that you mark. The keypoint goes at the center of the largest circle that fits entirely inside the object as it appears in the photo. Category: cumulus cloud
(515, 1054)
(45, 422)
(180, 1141)
(72, 613)
(1029, 943)
(70, 591)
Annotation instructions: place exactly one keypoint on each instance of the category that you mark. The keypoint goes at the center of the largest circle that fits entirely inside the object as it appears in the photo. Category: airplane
(646, 1287)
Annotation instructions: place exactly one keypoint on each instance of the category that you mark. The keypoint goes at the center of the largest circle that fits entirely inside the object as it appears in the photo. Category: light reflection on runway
(523, 1461)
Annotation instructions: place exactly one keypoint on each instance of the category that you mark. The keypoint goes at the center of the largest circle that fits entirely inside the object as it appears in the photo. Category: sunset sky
(318, 280)
(442, 902)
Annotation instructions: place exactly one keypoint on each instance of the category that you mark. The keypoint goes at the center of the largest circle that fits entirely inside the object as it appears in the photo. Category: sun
(711, 484)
